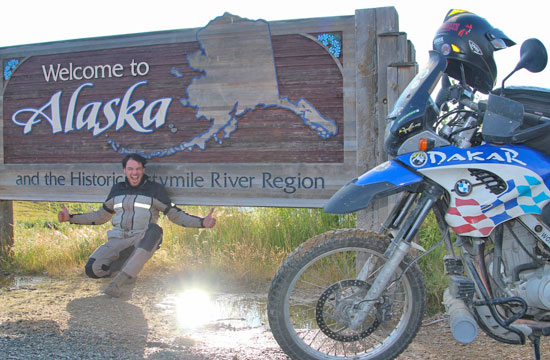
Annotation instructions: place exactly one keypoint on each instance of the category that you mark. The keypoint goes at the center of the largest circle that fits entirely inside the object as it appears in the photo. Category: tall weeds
(432, 264)
(247, 244)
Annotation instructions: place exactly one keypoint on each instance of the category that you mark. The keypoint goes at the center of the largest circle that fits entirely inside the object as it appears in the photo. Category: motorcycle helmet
(468, 42)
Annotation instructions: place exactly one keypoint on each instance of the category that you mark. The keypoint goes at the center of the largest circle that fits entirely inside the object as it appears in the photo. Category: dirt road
(71, 319)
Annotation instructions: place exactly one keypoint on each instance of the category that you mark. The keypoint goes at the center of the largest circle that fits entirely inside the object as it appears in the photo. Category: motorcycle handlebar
(538, 126)
(469, 103)
(534, 119)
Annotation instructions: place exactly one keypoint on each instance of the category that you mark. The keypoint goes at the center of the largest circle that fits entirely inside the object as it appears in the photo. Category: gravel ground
(72, 319)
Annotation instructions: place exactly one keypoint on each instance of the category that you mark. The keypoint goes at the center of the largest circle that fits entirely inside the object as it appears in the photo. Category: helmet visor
(498, 44)
(498, 40)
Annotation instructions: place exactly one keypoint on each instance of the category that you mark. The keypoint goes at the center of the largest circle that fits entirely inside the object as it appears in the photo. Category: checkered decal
(468, 217)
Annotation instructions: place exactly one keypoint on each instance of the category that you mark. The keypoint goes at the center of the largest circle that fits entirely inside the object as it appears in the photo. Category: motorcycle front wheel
(318, 288)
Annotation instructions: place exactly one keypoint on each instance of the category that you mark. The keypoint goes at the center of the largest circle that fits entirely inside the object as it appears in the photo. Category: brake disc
(345, 294)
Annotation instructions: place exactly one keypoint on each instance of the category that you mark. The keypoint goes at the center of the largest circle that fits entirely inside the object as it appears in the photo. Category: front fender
(387, 178)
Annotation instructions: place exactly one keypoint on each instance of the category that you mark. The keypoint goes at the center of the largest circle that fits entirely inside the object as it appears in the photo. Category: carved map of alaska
(239, 75)
(282, 91)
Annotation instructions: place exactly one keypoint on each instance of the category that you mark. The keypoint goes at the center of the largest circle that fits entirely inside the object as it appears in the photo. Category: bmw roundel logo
(463, 187)
(418, 159)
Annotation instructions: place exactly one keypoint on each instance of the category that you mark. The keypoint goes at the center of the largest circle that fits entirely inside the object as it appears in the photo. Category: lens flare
(194, 309)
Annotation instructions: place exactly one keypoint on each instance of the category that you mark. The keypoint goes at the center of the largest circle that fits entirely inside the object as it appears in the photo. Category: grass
(247, 245)
(432, 265)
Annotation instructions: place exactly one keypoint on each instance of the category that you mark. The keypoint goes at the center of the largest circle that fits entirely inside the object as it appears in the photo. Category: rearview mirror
(533, 56)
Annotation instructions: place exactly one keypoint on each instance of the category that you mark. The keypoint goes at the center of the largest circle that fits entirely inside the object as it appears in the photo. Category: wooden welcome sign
(239, 112)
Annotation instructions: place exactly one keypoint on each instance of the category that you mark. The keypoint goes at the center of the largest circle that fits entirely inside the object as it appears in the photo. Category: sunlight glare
(194, 309)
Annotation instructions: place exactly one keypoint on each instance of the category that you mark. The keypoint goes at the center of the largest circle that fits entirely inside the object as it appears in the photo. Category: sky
(36, 21)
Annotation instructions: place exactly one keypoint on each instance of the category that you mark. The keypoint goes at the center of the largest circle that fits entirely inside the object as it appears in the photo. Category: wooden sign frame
(240, 112)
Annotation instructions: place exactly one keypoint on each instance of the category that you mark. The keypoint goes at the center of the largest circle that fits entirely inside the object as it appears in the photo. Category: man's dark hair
(135, 157)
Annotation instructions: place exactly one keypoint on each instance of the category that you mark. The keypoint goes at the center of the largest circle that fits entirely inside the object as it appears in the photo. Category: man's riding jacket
(134, 208)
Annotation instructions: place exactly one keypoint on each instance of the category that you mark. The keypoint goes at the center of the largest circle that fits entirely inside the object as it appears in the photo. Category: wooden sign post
(240, 112)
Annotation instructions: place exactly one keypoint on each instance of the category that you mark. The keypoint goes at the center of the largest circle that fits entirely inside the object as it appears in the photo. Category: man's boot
(115, 287)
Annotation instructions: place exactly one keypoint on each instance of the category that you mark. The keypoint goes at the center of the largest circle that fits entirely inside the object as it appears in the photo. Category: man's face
(134, 172)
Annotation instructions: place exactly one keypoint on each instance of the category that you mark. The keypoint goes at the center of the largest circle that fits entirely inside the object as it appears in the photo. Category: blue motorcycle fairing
(517, 155)
(487, 184)
(387, 178)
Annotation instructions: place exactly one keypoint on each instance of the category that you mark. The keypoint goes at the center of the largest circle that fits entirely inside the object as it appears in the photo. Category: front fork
(408, 226)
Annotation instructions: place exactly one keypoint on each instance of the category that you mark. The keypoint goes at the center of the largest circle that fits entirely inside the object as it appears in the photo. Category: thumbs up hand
(209, 221)
(63, 215)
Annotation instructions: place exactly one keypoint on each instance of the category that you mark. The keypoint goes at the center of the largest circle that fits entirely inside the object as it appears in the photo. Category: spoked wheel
(317, 292)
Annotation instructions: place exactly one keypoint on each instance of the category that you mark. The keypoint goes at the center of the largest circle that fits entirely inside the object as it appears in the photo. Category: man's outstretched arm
(98, 217)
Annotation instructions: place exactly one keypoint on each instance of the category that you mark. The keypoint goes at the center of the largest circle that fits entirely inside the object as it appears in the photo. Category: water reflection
(196, 308)
(12, 282)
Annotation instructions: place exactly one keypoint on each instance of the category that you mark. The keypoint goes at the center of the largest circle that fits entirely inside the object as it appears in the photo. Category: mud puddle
(10, 282)
(196, 309)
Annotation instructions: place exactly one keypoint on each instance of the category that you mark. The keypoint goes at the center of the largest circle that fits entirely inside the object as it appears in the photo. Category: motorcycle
(476, 158)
